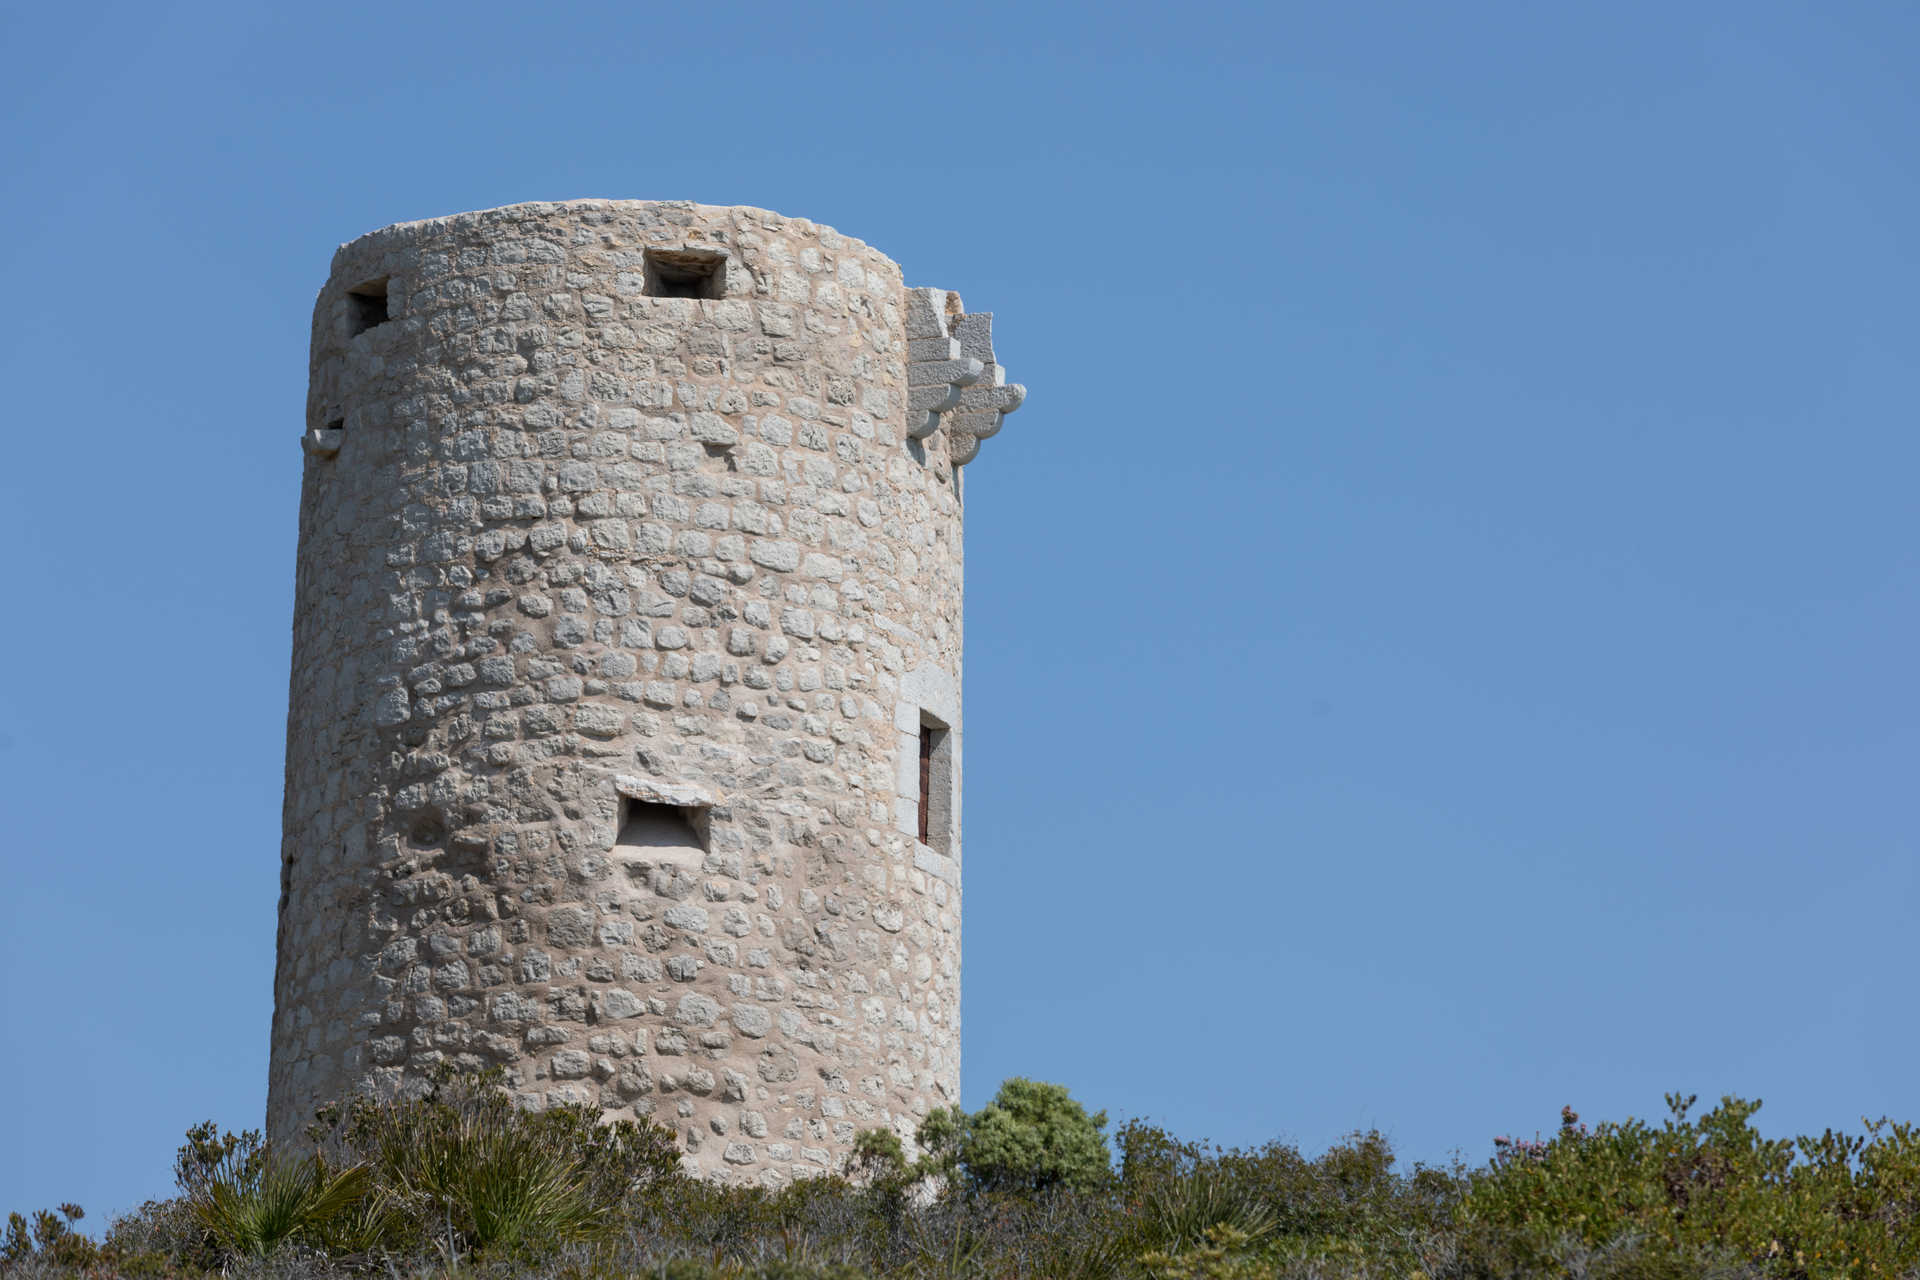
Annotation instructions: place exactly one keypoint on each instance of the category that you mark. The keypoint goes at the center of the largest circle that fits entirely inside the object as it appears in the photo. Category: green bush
(1710, 1189)
(1032, 1137)
(462, 1181)
(49, 1238)
(49, 1244)
(469, 1170)
(284, 1201)
(242, 1201)
(878, 1158)
(686, 1269)
(1220, 1253)
(1220, 1211)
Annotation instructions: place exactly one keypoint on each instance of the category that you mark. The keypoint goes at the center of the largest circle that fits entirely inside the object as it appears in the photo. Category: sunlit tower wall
(624, 742)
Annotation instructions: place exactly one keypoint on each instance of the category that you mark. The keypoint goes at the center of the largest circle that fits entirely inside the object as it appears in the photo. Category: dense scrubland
(1032, 1185)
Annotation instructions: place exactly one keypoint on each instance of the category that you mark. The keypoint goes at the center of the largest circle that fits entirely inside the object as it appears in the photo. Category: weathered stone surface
(684, 794)
(567, 547)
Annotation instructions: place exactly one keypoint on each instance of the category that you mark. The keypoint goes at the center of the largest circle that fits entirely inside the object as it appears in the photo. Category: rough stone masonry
(624, 742)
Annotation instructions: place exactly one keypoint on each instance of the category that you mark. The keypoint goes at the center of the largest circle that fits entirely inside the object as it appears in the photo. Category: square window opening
(367, 305)
(686, 273)
(662, 832)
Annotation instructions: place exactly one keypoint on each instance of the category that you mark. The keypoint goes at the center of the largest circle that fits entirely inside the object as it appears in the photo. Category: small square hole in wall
(368, 305)
(661, 831)
(686, 273)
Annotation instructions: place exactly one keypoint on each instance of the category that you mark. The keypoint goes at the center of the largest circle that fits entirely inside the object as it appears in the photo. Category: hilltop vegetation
(1029, 1186)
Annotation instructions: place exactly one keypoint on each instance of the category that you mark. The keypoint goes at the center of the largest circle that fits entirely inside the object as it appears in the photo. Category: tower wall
(621, 519)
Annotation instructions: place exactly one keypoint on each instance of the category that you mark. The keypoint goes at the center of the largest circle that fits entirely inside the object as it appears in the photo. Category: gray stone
(752, 1020)
(696, 1010)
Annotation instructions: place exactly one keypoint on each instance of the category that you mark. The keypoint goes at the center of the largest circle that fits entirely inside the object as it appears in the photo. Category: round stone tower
(624, 743)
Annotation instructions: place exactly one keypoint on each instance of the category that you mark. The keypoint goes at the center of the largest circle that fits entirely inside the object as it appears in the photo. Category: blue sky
(1440, 632)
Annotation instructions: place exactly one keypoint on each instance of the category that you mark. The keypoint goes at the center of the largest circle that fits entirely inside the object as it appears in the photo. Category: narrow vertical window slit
(927, 732)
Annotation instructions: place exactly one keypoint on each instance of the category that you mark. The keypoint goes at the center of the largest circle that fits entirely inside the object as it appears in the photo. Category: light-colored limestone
(564, 541)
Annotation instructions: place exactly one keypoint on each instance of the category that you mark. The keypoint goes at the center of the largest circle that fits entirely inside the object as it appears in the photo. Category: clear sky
(1440, 633)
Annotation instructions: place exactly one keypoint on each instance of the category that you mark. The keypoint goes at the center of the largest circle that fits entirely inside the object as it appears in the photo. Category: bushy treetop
(1032, 1136)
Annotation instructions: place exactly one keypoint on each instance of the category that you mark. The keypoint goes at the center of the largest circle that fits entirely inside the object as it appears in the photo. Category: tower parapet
(624, 741)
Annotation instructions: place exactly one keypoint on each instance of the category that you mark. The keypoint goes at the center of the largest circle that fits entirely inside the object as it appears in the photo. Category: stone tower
(624, 744)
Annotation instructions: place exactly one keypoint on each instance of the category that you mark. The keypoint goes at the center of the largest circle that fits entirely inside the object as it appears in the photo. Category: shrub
(1033, 1136)
(241, 1200)
(466, 1168)
(50, 1238)
(686, 1269)
(49, 1245)
(878, 1158)
(1221, 1253)
(252, 1212)
(1706, 1189)
(1269, 1206)
(1181, 1212)
(558, 1195)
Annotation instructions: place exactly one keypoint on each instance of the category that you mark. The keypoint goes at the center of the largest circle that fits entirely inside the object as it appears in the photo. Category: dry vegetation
(461, 1183)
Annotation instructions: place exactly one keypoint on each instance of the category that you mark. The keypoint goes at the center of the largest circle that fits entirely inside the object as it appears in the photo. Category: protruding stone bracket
(985, 403)
(322, 442)
(936, 369)
(952, 377)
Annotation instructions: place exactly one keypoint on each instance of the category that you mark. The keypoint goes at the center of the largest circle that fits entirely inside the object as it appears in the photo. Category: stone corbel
(953, 380)
(937, 371)
(322, 442)
(985, 402)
